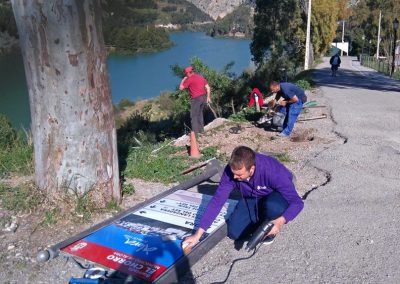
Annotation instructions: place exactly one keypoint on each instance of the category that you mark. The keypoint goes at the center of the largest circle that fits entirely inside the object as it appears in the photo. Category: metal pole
(379, 35)
(307, 55)
(362, 49)
(395, 26)
(369, 48)
(341, 52)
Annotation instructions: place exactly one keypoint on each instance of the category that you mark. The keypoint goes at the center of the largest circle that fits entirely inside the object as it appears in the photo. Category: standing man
(292, 101)
(335, 63)
(267, 190)
(200, 94)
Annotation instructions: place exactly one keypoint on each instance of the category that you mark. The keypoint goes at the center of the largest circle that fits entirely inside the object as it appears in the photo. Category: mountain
(218, 8)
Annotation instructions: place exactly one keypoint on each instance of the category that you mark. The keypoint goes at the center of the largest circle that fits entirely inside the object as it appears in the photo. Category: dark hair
(242, 156)
(274, 83)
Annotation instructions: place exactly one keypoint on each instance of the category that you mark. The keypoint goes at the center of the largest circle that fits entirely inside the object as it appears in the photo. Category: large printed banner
(147, 242)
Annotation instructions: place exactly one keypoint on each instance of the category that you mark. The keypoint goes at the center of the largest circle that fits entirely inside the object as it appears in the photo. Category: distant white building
(168, 26)
(343, 46)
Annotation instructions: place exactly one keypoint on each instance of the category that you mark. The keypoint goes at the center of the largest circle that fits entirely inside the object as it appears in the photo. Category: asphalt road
(349, 230)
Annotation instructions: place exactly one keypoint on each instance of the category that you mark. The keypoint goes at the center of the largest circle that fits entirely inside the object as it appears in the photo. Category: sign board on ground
(146, 242)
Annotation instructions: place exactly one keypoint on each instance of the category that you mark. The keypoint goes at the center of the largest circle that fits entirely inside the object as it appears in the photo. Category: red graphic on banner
(116, 260)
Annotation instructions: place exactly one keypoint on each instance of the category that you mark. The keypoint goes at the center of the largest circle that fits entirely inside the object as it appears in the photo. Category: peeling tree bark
(72, 114)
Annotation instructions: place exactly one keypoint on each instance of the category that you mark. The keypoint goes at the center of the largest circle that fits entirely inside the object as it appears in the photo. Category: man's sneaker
(269, 240)
(282, 135)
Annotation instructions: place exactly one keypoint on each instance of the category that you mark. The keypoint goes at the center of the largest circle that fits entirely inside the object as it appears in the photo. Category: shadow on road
(345, 80)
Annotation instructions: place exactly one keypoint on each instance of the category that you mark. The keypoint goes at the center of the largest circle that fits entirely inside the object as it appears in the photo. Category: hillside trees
(278, 33)
(240, 20)
(324, 22)
(73, 129)
(364, 21)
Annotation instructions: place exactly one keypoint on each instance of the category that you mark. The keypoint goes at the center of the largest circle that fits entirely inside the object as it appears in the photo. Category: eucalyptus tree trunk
(73, 125)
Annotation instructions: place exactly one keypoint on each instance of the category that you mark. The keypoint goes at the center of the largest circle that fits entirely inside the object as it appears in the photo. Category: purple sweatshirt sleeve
(284, 185)
(225, 187)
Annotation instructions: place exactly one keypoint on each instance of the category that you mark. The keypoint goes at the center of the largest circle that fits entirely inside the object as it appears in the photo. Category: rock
(217, 8)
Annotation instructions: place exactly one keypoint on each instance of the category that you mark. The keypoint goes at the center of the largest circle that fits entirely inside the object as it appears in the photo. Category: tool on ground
(196, 166)
(236, 129)
(259, 235)
(313, 118)
(310, 103)
(212, 110)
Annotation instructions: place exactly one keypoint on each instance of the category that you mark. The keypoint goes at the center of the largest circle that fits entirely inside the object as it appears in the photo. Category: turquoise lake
(135, 77)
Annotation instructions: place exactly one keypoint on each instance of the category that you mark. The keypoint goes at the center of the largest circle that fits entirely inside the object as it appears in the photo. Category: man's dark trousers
(244, 221)
(196, 113)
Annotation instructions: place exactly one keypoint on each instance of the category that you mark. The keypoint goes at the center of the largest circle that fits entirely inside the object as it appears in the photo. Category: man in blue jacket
(293, 98)
(267, 190)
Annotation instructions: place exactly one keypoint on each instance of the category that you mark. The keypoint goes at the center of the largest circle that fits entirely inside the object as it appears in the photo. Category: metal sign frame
(180, 267)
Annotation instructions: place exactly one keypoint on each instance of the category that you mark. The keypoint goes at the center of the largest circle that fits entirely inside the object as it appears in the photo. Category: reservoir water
(133, 77)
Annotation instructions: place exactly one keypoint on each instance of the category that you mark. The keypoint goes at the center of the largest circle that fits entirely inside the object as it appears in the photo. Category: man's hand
(181, 87)
(208, 90)
(278, 223)
(192, 240)
(282, 103)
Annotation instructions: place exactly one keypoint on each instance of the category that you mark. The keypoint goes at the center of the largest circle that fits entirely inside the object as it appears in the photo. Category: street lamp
(369, 47)
(341, 52)
(395, 27)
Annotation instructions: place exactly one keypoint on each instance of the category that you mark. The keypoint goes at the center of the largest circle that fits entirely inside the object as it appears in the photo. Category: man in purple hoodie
(267, 190)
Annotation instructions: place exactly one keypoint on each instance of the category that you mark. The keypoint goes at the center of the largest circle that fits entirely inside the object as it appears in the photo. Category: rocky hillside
(218, 8)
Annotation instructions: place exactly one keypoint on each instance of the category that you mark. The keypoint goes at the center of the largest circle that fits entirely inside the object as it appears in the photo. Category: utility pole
(379, 35)
(341, 51)
(395, 27)
(307, 55)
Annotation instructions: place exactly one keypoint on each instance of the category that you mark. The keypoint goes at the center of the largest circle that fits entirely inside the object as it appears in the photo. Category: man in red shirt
(200, 93)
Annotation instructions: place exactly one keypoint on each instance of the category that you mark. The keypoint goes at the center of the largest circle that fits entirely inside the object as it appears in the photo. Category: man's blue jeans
(292, 112)
(244, 221)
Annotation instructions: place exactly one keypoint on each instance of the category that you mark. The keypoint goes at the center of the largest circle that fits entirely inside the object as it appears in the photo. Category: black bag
(278, 119)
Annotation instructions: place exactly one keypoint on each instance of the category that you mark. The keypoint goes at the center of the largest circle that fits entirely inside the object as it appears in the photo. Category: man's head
(189, 71)
(242, 163)
(274, 87)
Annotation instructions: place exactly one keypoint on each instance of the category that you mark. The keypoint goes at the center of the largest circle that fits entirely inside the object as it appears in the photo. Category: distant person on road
(200, 93)
(335, 63)
(290, 97)
(267, 190)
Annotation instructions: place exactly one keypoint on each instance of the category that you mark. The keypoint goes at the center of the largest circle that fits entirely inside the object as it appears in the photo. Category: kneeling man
(267, 190)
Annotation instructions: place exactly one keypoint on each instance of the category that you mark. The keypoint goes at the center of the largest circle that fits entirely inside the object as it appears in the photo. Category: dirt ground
(18, 249)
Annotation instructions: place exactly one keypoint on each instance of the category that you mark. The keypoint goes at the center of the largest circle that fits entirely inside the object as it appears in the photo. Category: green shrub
(17, 159)
(124, 103)
(128, 189)
(7, 133)
(23, 198)
(247, 114)
(15, 152)
(51, 217)
(304, 84)
(162, 165)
